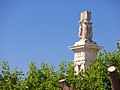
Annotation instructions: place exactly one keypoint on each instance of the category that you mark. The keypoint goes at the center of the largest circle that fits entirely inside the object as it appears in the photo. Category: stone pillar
(85, 49)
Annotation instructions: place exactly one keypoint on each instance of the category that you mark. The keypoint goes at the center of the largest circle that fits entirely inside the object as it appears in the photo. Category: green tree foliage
(45, 77)
(10, 80)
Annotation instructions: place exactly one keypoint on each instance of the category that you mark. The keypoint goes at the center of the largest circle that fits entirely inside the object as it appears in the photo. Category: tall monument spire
(85, 49)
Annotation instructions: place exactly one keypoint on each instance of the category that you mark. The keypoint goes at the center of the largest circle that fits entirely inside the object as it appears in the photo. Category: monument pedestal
(83, 54)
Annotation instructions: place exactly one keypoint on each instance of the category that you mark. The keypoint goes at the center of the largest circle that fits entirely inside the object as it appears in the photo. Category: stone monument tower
(85, 49)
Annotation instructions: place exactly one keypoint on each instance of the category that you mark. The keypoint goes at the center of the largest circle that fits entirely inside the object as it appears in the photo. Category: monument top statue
(85, 29)
(85, 26)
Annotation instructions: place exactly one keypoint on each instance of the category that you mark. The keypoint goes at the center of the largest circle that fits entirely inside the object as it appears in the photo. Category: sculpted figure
(80, 65)
(85, 30)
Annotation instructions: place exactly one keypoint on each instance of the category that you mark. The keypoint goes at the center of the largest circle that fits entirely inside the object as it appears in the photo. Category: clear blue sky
(43, 29)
